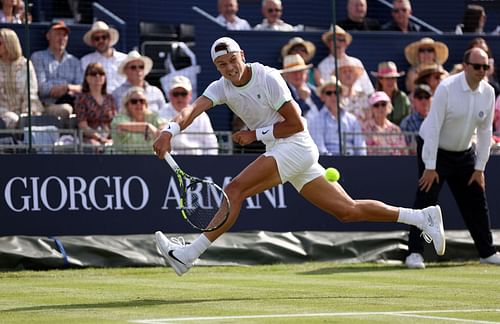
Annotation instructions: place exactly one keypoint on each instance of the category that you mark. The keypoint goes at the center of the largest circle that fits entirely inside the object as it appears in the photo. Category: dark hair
(93, 67)
(476, 42)
(221, 47)
(472, 16)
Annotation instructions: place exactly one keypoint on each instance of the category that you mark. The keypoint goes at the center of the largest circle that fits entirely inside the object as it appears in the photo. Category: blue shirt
(50, 72)
(323, 128)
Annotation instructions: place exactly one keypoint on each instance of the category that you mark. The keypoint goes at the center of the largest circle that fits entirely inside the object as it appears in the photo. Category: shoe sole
(159, 237)
(441, 231)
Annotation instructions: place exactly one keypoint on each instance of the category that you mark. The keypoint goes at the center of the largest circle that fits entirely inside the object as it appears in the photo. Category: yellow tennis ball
(332, 174)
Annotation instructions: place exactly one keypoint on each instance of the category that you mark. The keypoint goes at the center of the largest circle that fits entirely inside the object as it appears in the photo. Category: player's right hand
(162, 144)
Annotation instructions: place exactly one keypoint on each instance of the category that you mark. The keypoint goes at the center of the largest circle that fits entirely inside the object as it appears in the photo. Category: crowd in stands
(115, 105)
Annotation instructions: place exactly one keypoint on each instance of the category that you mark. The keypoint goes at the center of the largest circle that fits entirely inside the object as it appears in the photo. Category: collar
(465, 85)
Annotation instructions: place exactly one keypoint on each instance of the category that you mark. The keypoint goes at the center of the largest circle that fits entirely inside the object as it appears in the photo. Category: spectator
(382, 136)
(491, 75)
(387, 80)
(421, 104)
(135, 126)
(94, 107)
(295, 73)
(306, 49)
(103, 38)
(496, 119)
(424, 51)
(356, 17)
(401, 13)
(228, 10)
(430, 74)
(13, 91)
(473, 21)
(59, 73)
(21, 12)
(272, 10)
(462, 106)
(198, 138)
(354, 99)
(327, 66)
(135, 68)
(8, 13)
(324, 127)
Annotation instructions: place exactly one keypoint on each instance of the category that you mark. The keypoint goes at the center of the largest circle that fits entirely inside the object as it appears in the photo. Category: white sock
(197, 248)
(410, 216)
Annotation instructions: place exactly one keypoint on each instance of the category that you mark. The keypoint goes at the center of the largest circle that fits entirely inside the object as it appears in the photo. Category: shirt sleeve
(431, 127)
(484, 133)
(215, 92)
(279, 93)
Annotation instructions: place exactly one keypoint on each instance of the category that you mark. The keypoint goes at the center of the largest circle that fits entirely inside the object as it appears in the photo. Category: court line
(402, 313)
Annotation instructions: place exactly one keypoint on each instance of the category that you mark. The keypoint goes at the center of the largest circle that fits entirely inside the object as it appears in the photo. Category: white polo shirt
(456, 113)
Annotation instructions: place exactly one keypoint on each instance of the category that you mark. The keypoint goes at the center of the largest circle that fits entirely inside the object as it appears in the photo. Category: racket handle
(170, 160)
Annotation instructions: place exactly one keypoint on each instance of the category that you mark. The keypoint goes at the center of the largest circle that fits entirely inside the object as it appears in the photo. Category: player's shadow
(374, 268)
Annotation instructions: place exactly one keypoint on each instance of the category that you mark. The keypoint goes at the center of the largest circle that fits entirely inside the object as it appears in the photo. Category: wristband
(172, 128)
(265, 134)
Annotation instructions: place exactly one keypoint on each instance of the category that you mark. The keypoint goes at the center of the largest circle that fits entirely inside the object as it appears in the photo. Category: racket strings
(202, 209)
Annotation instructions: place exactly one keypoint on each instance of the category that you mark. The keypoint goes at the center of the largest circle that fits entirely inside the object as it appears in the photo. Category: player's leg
(259, 176)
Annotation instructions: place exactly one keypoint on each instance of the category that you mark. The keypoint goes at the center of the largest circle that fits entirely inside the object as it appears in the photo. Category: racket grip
(170, 160)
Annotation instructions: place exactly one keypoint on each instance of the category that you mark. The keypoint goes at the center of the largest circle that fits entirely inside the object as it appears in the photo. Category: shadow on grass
(376, 268)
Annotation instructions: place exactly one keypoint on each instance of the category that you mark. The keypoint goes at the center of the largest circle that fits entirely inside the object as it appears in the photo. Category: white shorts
(297, 159)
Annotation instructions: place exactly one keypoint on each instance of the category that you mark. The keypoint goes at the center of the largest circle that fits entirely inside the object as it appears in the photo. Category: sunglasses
(426, 50)
(95, 73)
(381, 104)
(135, 101)
(478, 66)
(100, 37)
(329, 92)
(422, 97)
(339, 40)
(397, 10)
(136, 67)
(271, 10)
(179, 94)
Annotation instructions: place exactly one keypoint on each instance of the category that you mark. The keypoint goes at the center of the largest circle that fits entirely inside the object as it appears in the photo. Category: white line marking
(402, 313)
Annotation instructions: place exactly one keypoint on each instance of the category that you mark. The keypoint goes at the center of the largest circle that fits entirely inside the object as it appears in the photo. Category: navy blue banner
(117, 195)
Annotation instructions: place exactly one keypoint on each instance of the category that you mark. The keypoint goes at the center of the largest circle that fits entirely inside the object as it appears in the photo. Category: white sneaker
(432, 228)
(167, 248)
(492, 259)
(415, 261)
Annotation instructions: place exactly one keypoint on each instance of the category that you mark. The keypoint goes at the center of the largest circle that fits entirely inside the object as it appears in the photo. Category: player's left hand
(478, 177)
(244, 137)
(162, 144)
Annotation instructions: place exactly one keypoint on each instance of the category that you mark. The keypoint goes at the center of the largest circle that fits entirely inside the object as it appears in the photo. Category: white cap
(180, 81)
(231, 44)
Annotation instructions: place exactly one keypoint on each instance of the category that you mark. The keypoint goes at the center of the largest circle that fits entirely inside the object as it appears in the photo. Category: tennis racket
(203, 204)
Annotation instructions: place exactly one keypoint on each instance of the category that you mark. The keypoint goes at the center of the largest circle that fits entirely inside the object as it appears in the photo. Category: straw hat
(296, 41)
(387, 70)
(338, 31)
(332, 80)
(427, 69)
(134, 56)
(101, 26)
(294, 63)
(441, 50)
(350, 61)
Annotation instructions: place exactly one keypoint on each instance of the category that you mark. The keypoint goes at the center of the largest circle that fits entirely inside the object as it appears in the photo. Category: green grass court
(301, 293)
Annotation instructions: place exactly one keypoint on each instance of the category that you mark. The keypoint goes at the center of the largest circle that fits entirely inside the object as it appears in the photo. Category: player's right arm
(183, 119)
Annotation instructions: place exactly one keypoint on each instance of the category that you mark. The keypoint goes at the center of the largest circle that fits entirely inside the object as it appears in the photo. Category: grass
(318, 291)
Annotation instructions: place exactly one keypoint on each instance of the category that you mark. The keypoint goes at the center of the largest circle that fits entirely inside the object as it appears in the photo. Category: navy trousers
(455, 168)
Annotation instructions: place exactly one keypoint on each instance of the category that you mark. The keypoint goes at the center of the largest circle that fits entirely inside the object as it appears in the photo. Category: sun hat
(103, 27)
(427, 69)
(134, 56)
(387, 70)
(378, 96)
(294, 63)
(180, 81)
(338, 31)
(232, 46)
(441, 50)
(332, 80)
(296, 41)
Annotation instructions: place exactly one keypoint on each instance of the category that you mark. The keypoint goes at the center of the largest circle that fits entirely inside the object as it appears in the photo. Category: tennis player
(260, 97)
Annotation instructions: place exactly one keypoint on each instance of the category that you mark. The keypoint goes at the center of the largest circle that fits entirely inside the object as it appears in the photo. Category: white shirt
(456, 114)
(279, 25)
(110, 64)
(237, 24)
(197, 139)
(327, 67)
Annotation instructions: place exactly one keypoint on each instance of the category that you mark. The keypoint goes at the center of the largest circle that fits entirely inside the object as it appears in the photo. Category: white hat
(294, 63)
(101, 26)
(231, 46)
(180, 81)
(134, 56)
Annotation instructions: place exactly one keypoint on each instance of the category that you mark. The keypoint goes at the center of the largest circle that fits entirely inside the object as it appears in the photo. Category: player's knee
(234, 191)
